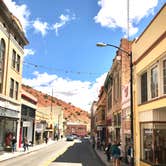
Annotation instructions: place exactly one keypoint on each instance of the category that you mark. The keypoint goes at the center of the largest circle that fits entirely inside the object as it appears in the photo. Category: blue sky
(62, 55)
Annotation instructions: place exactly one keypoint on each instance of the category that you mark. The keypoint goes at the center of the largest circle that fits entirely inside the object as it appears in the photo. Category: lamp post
(131, 94)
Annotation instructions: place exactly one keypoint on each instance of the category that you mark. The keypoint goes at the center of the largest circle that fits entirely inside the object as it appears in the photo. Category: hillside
(71, 113)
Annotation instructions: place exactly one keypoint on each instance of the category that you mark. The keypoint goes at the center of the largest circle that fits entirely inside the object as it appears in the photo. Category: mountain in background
(71, 113)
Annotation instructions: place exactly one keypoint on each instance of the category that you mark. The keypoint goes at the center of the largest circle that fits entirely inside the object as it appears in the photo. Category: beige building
(28, 112)
(49, 122)
(12, 42)
(149, 59)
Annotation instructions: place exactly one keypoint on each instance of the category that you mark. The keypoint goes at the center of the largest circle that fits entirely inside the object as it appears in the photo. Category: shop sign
(99, 128)
(39, 127)
(148, 131)
(26, 124)
(8, 113)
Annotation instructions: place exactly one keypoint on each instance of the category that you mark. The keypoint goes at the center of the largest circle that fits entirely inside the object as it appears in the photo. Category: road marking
(60, 152)
(65, 164)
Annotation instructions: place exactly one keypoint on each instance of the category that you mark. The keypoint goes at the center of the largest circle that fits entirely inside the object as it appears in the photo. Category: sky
(61, 58)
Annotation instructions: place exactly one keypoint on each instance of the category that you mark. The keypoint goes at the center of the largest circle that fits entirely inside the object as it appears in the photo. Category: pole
(131, 109)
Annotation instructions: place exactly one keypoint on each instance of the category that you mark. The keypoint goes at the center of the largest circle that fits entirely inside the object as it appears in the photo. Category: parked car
(69, 138)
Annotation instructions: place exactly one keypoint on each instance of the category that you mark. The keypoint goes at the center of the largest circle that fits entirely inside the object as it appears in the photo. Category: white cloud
(113, 14)
(41, 26)
(63, 20)
(28, 52)
(79, 93)
(20, 11)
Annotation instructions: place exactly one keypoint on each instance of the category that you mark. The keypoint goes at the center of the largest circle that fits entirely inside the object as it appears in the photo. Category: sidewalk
(9, 155)
(101, 154)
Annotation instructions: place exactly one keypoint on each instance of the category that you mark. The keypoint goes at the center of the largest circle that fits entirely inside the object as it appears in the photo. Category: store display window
(153, 143)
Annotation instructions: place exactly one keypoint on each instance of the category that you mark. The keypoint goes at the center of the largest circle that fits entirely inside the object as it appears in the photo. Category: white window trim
(161, 75)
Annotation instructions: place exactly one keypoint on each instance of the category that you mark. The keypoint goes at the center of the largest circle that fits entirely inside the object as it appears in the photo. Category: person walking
(129, 155)
(115, 151)
(25, 144)
(108, 151)
(46, 139)
(93, 142)
(13, 142)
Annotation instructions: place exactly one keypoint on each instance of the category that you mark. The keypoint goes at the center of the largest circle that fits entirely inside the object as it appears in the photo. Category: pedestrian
(93, 142)
(13, 142)
(25, 144)
(129, 155)
(108, 151)
(115, 151)
(46, 139)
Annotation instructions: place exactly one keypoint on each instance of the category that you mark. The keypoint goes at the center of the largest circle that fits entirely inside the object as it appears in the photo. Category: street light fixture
(101, 44)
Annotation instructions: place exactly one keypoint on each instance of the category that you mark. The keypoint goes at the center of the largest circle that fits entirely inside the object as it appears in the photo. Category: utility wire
(60, 70)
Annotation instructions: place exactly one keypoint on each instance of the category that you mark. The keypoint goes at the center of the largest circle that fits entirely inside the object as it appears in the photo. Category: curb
(24, 153)
(102, 161)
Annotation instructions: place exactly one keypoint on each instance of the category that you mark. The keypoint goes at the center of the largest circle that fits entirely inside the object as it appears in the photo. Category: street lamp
(101, 44)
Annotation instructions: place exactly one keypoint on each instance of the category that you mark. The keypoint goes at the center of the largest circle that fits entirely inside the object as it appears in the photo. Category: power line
(60, 70)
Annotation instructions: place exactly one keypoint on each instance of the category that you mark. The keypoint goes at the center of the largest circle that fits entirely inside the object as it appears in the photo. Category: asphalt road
(80, 154)
(41, 157)
(62, 153)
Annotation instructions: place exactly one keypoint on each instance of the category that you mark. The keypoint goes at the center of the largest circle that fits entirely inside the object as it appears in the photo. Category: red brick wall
(80, 130)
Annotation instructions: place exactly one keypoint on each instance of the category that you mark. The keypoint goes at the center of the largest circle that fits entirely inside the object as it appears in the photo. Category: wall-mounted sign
(26, 124)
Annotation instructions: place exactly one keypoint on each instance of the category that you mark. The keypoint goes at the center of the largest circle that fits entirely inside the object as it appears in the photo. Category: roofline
(150, 23)
(12, 23)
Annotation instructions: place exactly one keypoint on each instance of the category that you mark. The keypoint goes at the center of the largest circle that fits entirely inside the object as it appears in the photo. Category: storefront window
(153, 143)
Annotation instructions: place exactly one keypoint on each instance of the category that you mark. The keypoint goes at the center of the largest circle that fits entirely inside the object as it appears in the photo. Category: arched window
(2, 55)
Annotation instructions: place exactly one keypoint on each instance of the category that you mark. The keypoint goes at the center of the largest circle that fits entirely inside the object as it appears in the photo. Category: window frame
(2, 61)
(162, 68)
(156, 92)
(13, 59)
(142, 90)
(11, 92)
(16, 89)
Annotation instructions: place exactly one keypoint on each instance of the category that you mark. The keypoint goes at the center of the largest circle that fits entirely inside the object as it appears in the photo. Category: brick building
(76, 129)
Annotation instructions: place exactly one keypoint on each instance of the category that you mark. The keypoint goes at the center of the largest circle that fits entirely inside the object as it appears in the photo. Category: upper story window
(11, 88)
(116, 87)
(15, 61)
(18, 63)
(103, 115)
(2, 55)
(110, 100)
(154, 82)
(144, 89)
(16, 90)
(164, 76)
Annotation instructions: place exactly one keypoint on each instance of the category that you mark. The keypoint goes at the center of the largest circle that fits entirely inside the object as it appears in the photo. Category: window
(153, 143)
(144, 89)
(18, 63)
(11, 88)
(16, 90)
(110, 100)
(116, 87)
(103, 115)
(119, 119)
(2, 55)
(154, 82)
(14, 59)
(164, 76)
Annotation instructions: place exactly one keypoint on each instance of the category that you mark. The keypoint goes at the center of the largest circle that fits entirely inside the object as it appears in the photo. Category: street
(80, 154)
(69, 153)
